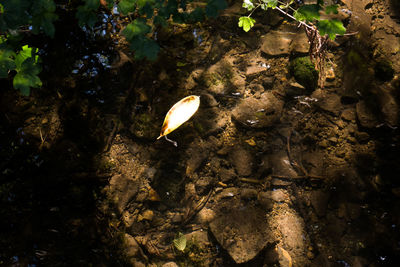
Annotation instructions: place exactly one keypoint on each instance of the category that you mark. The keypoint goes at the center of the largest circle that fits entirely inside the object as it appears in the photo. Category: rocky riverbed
(271, 171)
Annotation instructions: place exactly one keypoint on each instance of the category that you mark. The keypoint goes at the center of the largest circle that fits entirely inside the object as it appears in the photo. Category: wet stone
(226, 175)
(319, 201)
(243, 233)
(208, 100)
(388, 105)
(258, 113)
(170, 264)
(365, 114)
(328, 101)
(277, 43)
(242, 160)
(131, 246)
(248, 193)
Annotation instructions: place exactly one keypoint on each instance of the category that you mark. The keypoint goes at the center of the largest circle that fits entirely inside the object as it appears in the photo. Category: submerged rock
(242, 160)
(278, 43)
(304, 72)
(258, 113)
(366, 116)
(243, 233)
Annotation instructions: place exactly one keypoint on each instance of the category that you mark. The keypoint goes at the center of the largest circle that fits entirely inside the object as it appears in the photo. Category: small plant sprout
(179, 114)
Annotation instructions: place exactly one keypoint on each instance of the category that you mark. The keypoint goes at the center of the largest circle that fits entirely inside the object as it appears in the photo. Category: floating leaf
(180, 242)
(331, 27)
(246, 23)
(179, 113)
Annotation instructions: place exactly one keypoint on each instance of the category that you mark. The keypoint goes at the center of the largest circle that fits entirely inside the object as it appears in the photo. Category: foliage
(19, 18)
(308, 15)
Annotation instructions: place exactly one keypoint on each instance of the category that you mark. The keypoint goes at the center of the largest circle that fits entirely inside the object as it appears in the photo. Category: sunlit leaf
(331, 27)
(248, 4)
(27, 67)
(246, 23)
(271, 3)
(179, 114)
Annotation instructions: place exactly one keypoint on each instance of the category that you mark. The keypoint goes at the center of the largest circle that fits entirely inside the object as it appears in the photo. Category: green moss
(304, 72)
(384, 70)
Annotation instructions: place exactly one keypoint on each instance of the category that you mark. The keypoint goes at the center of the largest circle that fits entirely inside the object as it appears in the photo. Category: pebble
(148, 215)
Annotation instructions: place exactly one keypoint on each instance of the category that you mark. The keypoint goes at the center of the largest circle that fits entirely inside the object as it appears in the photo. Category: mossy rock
(304, 72)
(384, 70)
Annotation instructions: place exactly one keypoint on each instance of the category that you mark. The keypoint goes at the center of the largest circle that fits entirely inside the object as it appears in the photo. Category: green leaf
(6, 62)
(43, 15)
(307, 13)
(24, 54)
(271, 3)
(127, 6)
(180, 242)
(144, 48)
(135, 28)
(159, 20)
(248, 4)
(246, 23)
(331, 27)
(27, 67)
(331, 9)
(24, 81)
(86, 16)
(142, 3)
(14, 14)
(92, 4)
(147, 10)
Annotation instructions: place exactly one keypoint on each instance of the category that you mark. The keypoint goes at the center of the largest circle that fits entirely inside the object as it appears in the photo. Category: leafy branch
(20, 62)
(318, 30)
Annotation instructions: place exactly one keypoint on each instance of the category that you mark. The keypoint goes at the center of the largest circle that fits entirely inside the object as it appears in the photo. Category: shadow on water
(51, 177)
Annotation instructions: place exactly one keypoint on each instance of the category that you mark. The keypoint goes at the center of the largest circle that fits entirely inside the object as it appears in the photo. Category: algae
(304, 72)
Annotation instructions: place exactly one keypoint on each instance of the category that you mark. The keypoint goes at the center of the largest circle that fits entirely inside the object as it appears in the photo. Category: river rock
(328, 101)
(278, 43)
(388, 105)
(280, 164)
(122, 189)
(131, 246)
(366, 115)
(319, 201)
(258, 113)
(243, 233)
(242, 160)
